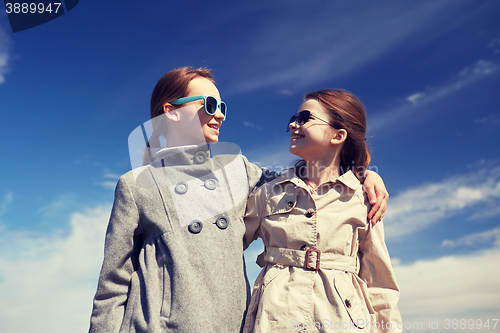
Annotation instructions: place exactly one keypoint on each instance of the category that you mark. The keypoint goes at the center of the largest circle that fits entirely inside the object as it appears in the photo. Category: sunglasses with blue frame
(210, 102)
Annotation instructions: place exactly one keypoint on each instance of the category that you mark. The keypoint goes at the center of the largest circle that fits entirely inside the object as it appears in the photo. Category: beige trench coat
(327, 269)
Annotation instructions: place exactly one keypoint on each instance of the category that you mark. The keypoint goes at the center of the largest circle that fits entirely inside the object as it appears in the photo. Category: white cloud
(111, 175)
(450, 287)
(481, 69)
(4, 54)
(418, 208)
(108, 185)
(413, 98)
(47, 281)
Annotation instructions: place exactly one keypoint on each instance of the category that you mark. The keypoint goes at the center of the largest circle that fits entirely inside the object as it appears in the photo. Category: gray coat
(173, 259)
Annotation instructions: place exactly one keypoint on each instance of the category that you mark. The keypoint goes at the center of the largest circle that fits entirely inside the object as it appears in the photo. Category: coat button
(200, 157)
(211, 184)
(222, 222)
(310, 212)
(290, 204)
(195, 226)
(181, 187)
(348, 303)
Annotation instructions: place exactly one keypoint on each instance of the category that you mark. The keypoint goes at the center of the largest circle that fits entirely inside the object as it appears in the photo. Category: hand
(377, 195)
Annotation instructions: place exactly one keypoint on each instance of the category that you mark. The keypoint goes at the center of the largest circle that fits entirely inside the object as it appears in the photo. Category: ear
(171, 112)
(339, 137)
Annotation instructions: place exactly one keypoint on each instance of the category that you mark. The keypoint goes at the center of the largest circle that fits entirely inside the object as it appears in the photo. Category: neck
(319, 171)
(177, 141)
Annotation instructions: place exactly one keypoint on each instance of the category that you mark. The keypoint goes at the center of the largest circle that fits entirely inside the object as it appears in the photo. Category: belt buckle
(308, 254)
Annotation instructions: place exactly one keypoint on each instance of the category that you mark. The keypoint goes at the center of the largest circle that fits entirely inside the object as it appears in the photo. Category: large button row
(182, 187)
(195, 226)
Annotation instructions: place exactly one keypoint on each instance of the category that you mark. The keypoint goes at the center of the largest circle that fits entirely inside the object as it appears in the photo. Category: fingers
(372, 196)
(378, 210)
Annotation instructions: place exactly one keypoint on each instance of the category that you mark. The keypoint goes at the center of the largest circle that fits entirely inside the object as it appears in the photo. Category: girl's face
(311, 140)
(194, 124)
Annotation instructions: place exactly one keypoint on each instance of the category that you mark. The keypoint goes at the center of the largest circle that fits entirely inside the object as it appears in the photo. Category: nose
(219, 116)
(293, 125)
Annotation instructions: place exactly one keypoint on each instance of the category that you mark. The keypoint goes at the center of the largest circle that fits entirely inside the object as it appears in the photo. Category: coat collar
(348, 179)
(183, 155)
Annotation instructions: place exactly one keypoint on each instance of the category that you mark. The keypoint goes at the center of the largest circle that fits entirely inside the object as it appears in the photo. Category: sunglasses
(211, 104)
(303, 117)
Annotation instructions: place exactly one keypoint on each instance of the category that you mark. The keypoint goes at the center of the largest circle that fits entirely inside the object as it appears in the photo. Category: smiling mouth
(296, 137)
(215, 127)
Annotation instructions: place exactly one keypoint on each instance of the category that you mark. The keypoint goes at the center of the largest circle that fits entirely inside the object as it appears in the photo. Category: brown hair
(173, 85)
(169, 87)
(347, 112)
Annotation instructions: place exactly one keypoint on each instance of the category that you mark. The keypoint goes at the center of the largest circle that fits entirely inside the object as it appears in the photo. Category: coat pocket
(352, 300)
(282, 202)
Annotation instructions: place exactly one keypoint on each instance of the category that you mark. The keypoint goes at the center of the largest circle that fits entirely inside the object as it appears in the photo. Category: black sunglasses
(303, 117)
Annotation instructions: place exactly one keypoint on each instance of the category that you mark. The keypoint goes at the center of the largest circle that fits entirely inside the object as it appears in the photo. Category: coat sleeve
(121, 252)
(253, 215)
(254, 174)
(376, 270)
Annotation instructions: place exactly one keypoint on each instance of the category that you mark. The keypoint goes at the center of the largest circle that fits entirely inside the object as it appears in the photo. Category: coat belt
(311, 259)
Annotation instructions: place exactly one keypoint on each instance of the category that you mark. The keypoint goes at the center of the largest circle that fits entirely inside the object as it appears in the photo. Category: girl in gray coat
(173, 259)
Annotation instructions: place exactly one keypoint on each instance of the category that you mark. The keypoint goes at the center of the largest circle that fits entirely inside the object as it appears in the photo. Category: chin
(293, 150)
(212, 140)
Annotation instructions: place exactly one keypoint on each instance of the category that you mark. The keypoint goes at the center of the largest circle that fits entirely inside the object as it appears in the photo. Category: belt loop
(308, 255)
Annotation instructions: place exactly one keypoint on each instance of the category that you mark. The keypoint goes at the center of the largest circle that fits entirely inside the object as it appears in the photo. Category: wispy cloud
(62, 204)
(109, 184)
(418, 208)
(111, 175)
(5, 202)
(492, 120)
(51, 278)
(252, 125)
(495, 45)
(337, 38)
(416, 102)
(478, 238)
(5, 45)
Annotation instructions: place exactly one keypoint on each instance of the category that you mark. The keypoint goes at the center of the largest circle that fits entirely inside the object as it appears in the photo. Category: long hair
(347, 112)
(169, 87)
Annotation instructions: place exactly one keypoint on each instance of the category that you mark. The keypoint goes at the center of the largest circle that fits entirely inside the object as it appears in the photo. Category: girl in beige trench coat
(173, 258)
(326, 268)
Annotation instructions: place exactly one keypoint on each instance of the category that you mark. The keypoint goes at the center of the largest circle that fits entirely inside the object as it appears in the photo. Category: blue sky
(428, 72)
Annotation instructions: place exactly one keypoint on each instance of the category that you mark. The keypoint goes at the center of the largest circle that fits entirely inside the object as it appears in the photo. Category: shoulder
(138, 178)
(277, 183)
